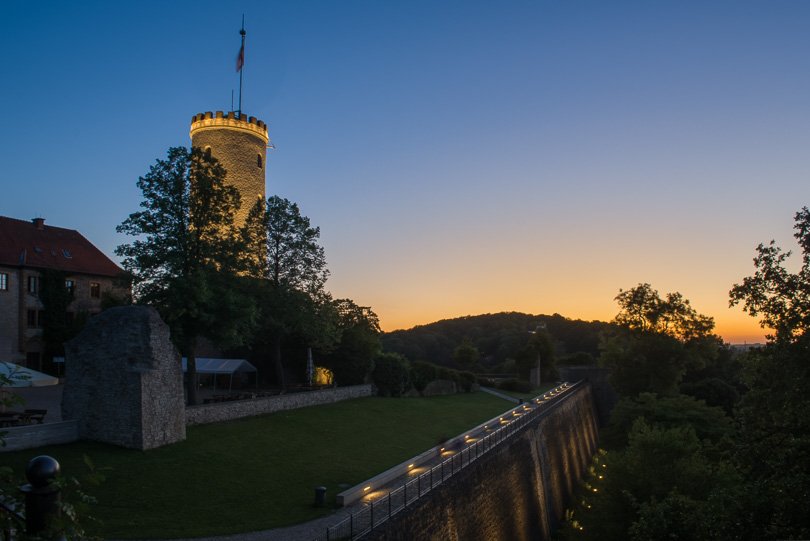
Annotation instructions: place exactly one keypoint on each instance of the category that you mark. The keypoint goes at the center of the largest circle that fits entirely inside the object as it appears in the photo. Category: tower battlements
(229, 121)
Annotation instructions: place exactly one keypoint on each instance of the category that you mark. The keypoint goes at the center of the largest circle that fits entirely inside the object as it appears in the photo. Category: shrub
(422, 373)
(467, 380)
(390, 374)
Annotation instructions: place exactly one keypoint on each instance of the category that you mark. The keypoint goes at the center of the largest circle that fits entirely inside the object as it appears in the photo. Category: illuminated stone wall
(240, 145)
(519, 491)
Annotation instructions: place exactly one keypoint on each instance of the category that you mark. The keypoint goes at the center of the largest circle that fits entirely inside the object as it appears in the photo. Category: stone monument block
(123, 380)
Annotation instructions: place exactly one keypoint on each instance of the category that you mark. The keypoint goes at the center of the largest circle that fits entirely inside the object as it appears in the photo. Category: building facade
(29, 248)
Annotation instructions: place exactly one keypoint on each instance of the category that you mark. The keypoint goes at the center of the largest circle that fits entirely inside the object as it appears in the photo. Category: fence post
(42, 496)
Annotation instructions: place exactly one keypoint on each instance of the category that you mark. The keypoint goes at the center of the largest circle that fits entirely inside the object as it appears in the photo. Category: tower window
(259, 160)
(208, 150)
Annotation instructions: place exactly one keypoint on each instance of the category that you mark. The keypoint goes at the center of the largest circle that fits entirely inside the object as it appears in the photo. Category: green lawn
(260, 472)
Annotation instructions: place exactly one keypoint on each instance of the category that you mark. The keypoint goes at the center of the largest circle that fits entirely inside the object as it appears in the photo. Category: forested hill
(496, 336)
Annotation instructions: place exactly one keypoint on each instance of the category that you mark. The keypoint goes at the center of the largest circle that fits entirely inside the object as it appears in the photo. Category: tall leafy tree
(353, 356)
(781, 298)
(773, 449)
(185, 258)
(659, 340)
(57, 326)
(281, 247)
(643, 309)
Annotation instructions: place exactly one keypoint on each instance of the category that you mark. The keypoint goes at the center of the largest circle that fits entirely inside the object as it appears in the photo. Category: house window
(3, 281)
(70, 285)
(33, 284)
(95, 290)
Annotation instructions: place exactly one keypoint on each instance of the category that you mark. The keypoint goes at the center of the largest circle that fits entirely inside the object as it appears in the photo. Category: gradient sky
(460, 157)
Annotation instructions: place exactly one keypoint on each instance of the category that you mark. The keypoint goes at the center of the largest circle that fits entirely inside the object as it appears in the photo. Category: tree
(466, 355)
(642, 309)
(277, 230)
(281, 247)
(353, 357)
(57, 326)
(661, 340)
(538, 349)
(773, 448)
(663, 485)
(644, 362)
(185, 259)
(780, 297)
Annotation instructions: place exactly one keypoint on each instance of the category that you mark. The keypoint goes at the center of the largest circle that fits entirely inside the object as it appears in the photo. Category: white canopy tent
(20, 376)
(215, 367)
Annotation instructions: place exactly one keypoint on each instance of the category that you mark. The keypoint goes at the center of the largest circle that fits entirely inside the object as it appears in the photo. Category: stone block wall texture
(225, 411)
(240, 152)
(519, 491)
(124, 383)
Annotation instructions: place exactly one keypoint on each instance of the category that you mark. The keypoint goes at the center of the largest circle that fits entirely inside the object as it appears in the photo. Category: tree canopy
(185, 256)
(643, 309)
(781, 298)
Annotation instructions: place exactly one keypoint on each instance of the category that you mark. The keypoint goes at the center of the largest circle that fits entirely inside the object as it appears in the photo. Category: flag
(240, 58)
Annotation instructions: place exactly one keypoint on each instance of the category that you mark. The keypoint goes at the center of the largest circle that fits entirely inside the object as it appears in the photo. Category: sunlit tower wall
(240, 145)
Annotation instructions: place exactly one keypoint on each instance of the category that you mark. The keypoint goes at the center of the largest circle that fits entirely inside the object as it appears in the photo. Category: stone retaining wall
(30, 436)
(519, 490)
(225, 411)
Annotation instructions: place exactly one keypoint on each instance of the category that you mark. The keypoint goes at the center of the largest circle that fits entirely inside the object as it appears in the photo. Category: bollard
(42, 495)
(320, 496)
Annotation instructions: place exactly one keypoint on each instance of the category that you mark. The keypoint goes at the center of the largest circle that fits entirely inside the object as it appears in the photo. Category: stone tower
(240, 145)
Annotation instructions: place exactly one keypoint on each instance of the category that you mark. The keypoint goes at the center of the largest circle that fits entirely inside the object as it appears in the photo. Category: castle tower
(240, 145)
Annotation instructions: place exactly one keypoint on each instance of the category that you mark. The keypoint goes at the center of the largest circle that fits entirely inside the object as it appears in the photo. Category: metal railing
(380, 509)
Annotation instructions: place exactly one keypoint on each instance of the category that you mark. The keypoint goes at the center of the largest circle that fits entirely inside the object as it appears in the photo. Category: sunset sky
(459, 157)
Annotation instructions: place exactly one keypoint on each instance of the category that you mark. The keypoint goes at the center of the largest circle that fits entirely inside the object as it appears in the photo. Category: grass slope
(260, 472)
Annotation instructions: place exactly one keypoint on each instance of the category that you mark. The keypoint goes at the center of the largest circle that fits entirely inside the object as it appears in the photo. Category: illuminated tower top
(240, 144)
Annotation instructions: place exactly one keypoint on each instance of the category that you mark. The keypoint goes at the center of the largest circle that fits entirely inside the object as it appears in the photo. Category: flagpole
(242, 67)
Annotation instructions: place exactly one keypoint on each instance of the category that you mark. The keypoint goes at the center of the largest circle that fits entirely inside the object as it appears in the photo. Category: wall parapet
(226, 411)
(18, 438)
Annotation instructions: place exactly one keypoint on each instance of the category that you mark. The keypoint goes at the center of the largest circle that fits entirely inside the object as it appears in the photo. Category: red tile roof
(36, 245)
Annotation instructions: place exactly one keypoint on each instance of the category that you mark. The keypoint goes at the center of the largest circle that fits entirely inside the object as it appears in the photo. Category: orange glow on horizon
(735, 326)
